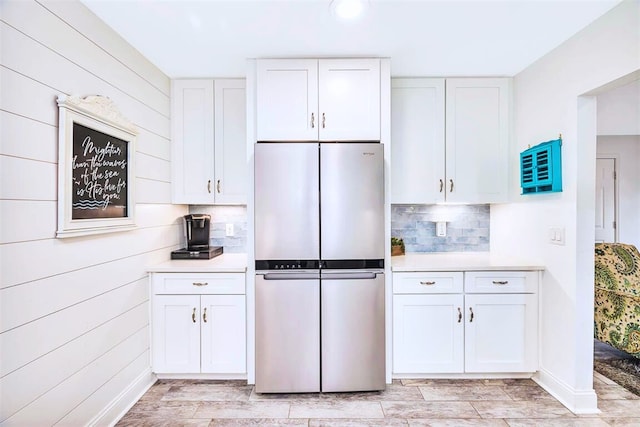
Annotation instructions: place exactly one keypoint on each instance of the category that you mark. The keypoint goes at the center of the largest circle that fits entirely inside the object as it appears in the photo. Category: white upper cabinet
(477, 139)
(192, 163)
(417, 135)
(287, 99)
(349, 99)
(230, 146)
(450, 140)
(209, 164)
(318, 100)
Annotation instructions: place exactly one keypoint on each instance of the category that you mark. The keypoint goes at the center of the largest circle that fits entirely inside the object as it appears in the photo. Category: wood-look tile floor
(509, 402)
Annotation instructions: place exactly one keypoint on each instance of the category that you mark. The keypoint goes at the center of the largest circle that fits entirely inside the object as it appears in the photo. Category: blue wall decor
(541, 168)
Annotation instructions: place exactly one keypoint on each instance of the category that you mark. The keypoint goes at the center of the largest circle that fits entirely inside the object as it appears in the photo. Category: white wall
(619, 110)
(547, 103)
(74, 323)
(626, 151)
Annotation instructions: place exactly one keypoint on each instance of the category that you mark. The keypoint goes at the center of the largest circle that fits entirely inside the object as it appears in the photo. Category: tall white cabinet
(209, 157)
(450, 140)
(318, 99)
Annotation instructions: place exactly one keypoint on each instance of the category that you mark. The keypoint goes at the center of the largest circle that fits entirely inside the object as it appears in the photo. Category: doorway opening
(606, 199)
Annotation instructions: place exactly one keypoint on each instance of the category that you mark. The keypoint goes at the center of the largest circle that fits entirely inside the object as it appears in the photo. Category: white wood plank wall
(74, 322)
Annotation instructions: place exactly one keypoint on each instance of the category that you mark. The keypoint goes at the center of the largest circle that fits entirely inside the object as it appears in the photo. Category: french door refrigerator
(319, 250)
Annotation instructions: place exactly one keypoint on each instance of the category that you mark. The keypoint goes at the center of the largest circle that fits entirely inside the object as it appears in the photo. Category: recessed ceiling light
(348, 9)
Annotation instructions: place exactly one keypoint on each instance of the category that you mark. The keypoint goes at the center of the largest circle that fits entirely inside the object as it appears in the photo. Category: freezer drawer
(353, 331)
(287, 333)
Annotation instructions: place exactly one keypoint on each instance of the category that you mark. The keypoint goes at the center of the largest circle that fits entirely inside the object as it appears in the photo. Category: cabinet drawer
(198, 283)
(427, 283)
(489, 282)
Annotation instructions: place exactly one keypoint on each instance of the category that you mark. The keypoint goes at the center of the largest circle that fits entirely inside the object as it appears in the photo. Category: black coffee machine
(197, 228)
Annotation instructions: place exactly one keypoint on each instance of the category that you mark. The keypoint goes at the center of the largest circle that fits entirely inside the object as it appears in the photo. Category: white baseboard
(119, 406)
(578, 402)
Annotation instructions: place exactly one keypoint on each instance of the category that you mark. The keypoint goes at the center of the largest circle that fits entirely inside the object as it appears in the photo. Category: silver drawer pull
(500, 282)
(200, 283)
(428, 283)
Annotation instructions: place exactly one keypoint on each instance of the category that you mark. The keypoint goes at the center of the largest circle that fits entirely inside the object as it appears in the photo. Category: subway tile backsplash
(220, 217)
(467, 227)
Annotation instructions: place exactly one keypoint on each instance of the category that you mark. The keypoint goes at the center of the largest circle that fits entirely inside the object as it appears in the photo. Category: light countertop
(459, 261)
(225, 263)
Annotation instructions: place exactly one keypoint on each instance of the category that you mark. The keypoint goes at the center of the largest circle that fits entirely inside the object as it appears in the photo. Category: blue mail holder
(541, 168)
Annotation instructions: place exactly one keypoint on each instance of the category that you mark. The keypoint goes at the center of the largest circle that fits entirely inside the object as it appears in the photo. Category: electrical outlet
(229, 230)
(441, 229)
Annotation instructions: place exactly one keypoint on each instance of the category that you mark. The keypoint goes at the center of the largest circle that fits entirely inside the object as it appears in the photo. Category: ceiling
(213, 38)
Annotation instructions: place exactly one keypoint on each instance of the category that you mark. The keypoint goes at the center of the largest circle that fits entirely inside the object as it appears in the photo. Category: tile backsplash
(467, 227)
(220, 217)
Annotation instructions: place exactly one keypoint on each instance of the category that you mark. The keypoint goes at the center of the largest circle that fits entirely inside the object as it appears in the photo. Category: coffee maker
(197, 228)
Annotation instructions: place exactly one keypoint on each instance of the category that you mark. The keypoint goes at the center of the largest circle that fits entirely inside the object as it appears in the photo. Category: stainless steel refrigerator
(319, 250)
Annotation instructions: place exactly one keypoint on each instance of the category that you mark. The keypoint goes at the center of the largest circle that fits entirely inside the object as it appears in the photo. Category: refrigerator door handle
(291, 276)
(350, 276)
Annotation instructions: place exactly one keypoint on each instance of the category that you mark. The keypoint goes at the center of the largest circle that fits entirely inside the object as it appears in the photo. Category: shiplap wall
(74, 323)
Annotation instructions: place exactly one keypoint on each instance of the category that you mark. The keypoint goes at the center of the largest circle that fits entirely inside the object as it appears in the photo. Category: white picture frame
(96, 168)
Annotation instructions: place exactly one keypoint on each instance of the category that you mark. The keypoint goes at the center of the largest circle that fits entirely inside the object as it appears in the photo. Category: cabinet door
(192, 141)
(230, 142)
(349, 97)
(176, 334)
(477, 131)
(223, 334)
(501, 333)
(428, 334)
(417, 132)
(287, 100)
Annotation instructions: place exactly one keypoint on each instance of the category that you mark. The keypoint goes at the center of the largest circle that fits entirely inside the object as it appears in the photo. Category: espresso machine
(197, 229)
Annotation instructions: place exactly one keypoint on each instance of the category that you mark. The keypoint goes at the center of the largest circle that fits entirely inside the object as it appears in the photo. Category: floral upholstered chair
(617, 296)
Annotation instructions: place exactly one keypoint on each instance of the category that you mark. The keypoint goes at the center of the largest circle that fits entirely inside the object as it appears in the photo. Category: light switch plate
(441, 229)
(556, 235)
(229, 230)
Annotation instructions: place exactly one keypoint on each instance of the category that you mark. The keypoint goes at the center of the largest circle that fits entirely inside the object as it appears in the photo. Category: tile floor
(508, 402)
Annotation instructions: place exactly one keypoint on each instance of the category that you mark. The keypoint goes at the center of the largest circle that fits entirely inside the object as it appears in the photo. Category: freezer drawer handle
(500, 282)
(349, 276)
(428, 283)
(200, 283)
(291, 276)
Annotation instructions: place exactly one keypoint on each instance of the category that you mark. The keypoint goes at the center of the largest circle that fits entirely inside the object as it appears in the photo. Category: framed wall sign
(96, 163)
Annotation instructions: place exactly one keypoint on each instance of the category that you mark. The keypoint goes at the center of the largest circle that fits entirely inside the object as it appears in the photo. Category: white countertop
(225, 263)
(459, 261)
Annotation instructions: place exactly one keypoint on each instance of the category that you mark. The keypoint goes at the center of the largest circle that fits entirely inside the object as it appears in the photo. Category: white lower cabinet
(501, 333)
(427, 337)
(490, 326)
(198, 323)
